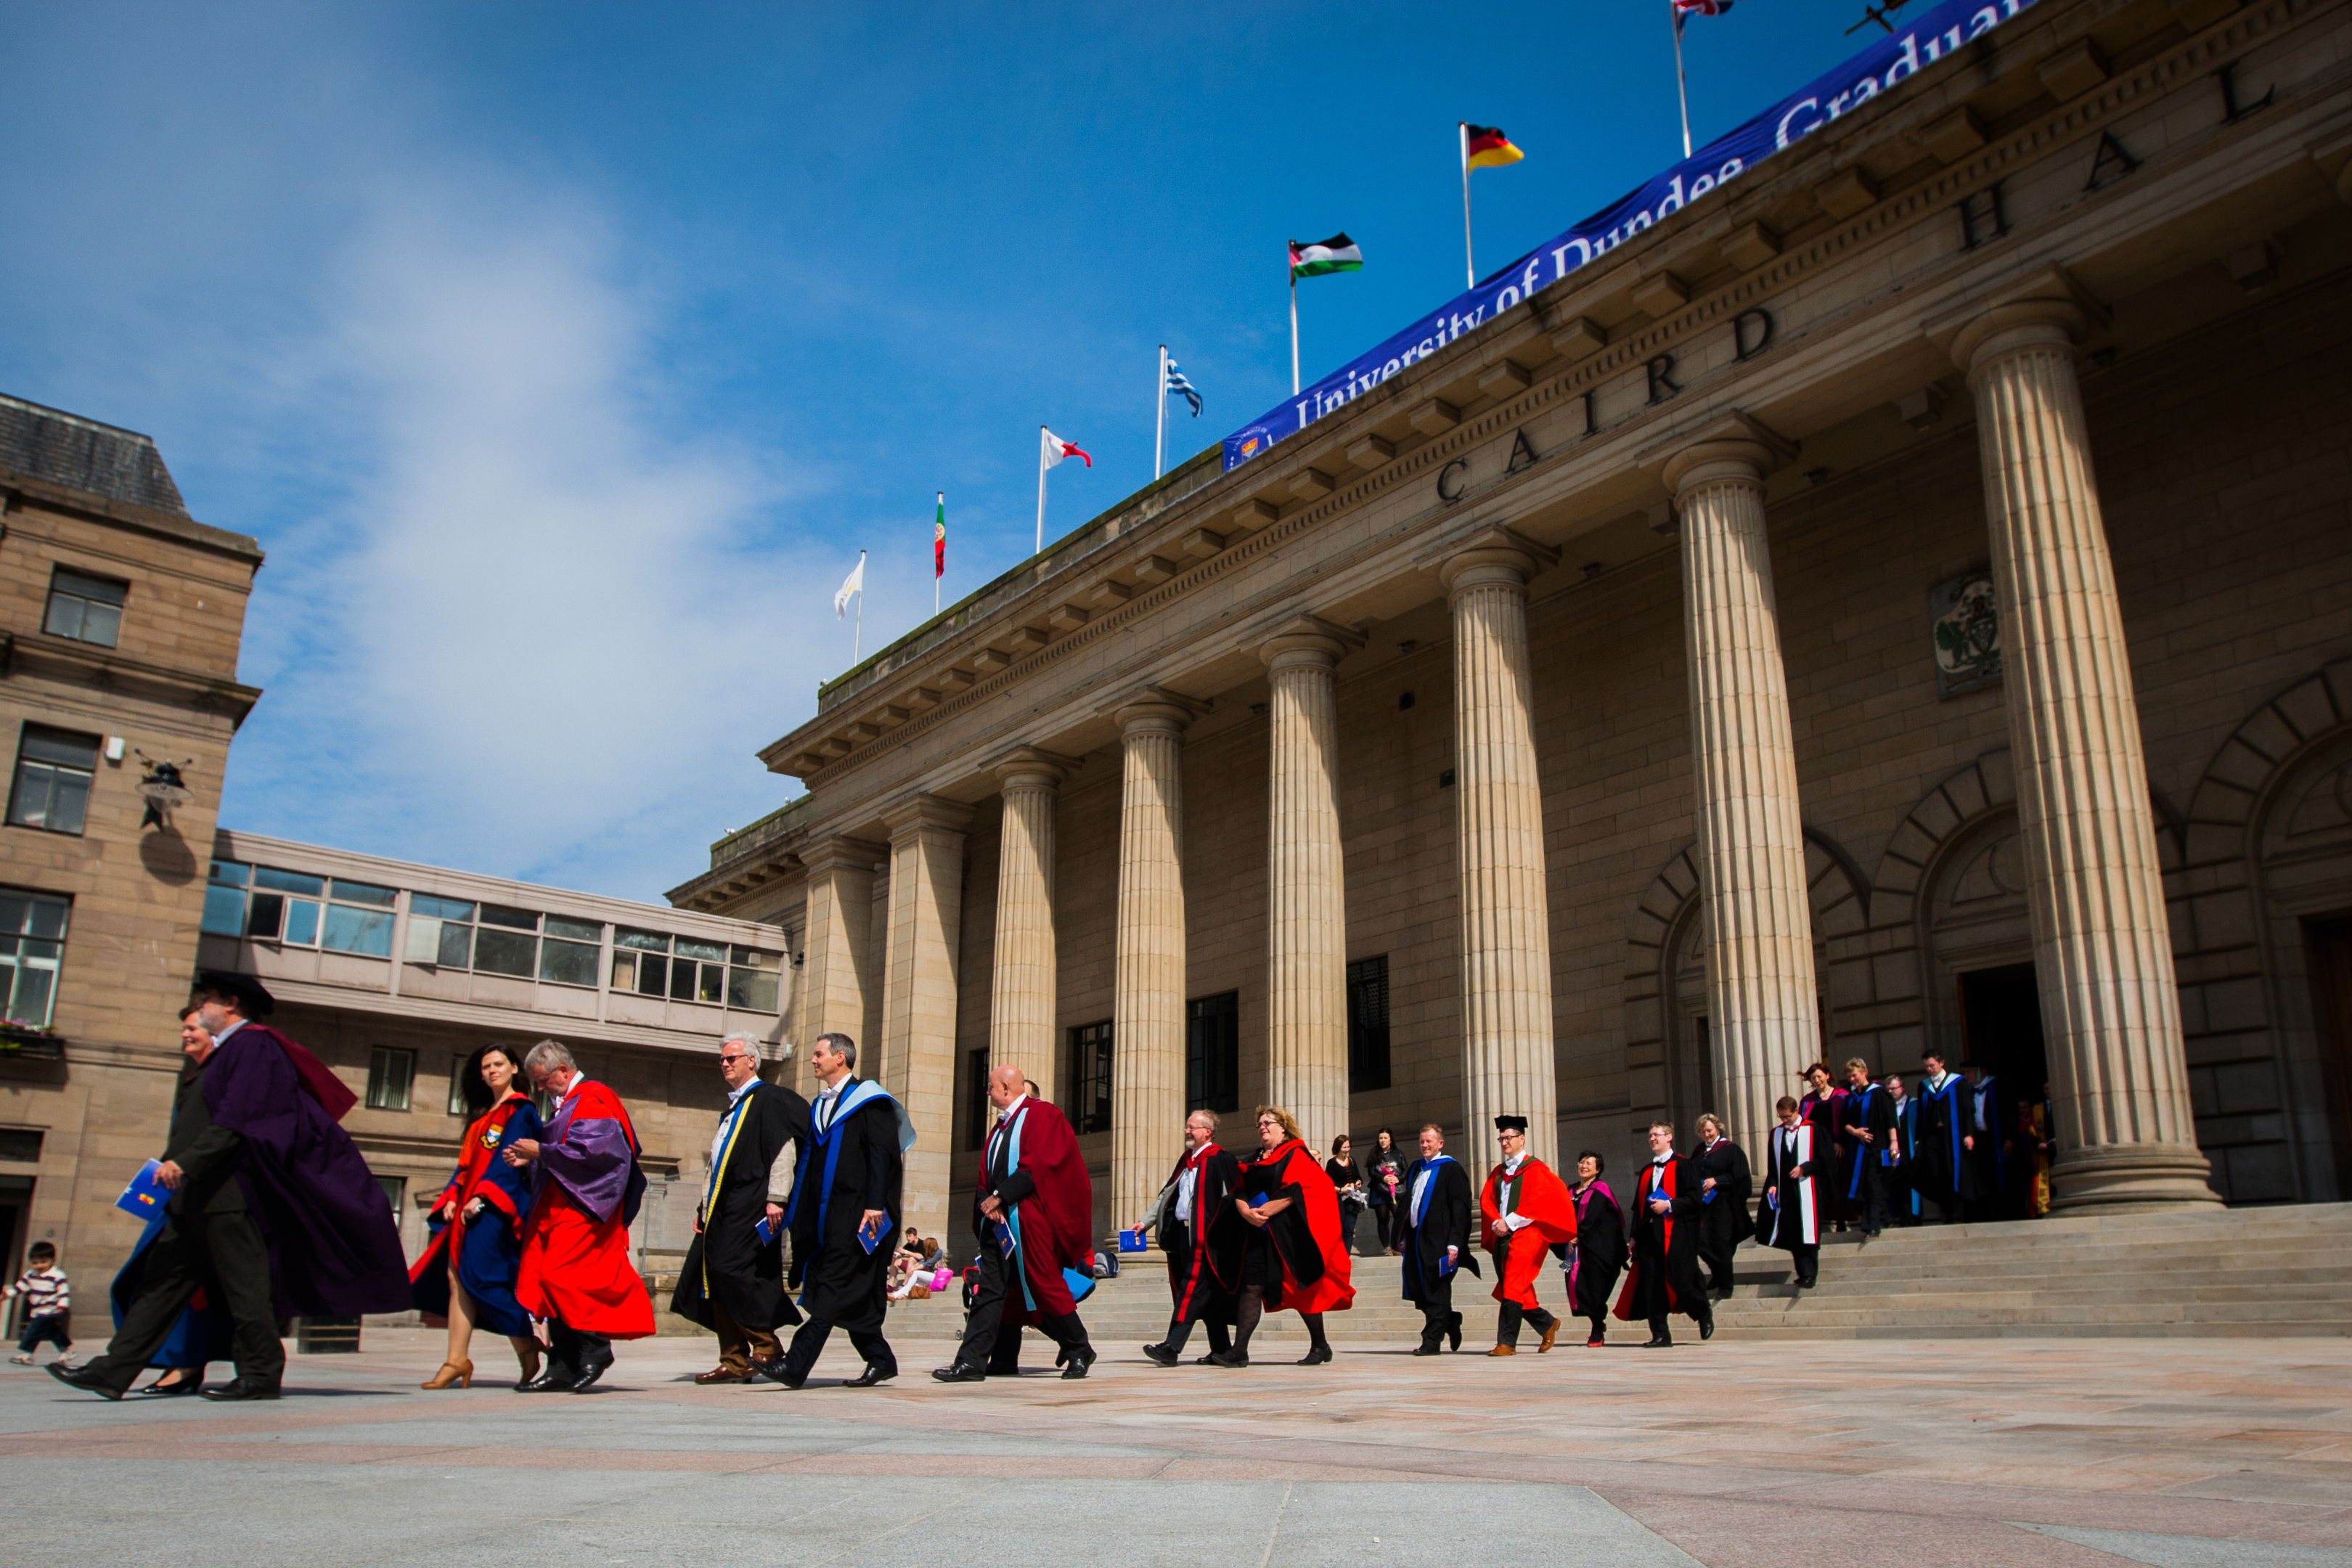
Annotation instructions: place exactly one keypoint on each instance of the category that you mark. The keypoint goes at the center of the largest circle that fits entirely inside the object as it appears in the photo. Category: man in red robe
(1032, 1210)
(1527, 1212)
(585, 1188)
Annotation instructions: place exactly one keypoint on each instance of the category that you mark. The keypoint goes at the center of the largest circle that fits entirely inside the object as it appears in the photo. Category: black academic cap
(251, 998)
(1510, 1124)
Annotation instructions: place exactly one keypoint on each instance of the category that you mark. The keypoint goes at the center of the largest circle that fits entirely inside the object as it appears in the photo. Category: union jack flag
(1684, 8)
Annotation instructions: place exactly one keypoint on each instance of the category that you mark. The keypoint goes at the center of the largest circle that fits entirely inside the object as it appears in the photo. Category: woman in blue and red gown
(1296, 1259)
(468, 1273)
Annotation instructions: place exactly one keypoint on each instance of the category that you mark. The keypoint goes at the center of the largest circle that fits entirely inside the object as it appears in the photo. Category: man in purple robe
(271, 1204)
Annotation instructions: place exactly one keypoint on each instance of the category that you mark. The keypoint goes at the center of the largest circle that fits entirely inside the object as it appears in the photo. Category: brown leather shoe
(1504, 1350)
(1551, 1334)
(724, 1374)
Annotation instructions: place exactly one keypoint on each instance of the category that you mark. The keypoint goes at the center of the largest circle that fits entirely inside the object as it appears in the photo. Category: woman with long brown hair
(1296, 1259)
(468, 1273)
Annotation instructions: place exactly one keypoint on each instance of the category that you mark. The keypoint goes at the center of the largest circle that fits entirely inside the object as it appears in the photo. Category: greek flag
(1177, 383)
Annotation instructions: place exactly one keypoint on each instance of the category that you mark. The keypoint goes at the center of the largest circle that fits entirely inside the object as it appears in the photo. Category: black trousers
(223, 1253)
(1438, 1313)
(1221, 1338)
(575, 1350)
(1386, 1215)
(1508, 1320)
(1350, 1210)
(1806, 1260)
(808, 1344)
(1714, 1252)
(980, 1324)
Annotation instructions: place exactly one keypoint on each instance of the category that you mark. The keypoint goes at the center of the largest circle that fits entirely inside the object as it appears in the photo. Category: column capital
(823, 855)
(1031, 768)
(1736, 446)
(1490, 552)
(1307, 639)
(911, 817)
(1155, 707)
(2047, 308)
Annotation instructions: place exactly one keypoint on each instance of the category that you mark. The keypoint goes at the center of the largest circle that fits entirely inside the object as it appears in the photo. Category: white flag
(853, 583)
(1054, 449)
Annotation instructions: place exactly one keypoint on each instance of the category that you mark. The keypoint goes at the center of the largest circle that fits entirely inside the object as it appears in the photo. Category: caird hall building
(1902, 598)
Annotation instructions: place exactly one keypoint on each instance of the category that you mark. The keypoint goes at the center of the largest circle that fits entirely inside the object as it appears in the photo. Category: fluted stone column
(1307, 924)
(1764, 1015)
(1021, 1005)
(834, 991)
(1507, 1018)
(1147, 985)
(2102, 947)
(919, 995)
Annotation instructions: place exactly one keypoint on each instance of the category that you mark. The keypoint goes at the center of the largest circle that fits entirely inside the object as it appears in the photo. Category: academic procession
(1796, 737)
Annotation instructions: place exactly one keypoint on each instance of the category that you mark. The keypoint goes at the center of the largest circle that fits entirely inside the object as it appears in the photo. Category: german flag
(1485, 147)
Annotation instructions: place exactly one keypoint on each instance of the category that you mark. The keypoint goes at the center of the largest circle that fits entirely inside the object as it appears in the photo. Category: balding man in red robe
(1527, 1212)
(1032, 1210)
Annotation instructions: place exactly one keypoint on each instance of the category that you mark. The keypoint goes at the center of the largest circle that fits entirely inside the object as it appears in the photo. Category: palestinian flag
(1485, 147)
(1337, 253)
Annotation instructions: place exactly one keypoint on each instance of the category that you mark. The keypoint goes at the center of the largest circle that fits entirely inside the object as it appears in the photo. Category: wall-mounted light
(163, 789)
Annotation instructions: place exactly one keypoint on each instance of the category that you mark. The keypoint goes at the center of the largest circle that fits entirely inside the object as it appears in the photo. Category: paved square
(2055, 1453)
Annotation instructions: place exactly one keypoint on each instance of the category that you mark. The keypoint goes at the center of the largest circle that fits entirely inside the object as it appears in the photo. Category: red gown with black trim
(1543, 1200)
(1292, 1165)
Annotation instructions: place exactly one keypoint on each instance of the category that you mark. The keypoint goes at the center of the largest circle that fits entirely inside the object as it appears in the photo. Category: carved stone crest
(1966, 624)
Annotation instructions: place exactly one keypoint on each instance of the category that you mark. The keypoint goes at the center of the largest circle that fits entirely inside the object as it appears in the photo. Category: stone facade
(2070, 309)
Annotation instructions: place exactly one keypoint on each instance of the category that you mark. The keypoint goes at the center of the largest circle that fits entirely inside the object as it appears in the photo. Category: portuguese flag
(1337, 253)
(1485, 147)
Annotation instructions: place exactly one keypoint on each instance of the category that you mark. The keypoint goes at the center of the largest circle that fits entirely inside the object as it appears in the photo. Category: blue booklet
(870, 1237)
(144, 1196)
(766, 1232)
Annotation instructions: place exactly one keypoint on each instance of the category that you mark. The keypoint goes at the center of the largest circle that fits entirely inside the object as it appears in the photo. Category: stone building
(120, 623)
(1898, 599)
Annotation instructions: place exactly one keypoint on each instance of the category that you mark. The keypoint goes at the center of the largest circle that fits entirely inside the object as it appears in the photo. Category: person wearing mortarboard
(270, 1203)
(1527, 1212)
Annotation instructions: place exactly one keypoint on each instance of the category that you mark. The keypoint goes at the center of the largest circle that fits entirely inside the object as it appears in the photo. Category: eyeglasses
(738, 1057)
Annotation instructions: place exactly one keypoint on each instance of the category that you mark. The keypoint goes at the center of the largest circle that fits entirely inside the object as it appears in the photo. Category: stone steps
(2272, 1271)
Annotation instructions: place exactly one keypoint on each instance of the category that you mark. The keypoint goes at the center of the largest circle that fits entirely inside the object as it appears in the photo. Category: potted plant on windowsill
(28, 1040)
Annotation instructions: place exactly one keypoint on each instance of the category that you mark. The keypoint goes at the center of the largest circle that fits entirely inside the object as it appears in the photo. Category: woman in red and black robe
(1823, 1108)
(1295, 1258)
(467, 1273)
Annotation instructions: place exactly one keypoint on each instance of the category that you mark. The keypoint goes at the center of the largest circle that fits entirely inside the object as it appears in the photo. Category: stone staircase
(2238, 1272)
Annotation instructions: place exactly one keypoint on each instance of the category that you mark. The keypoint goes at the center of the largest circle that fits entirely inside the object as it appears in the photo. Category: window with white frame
(54, 770)
(495, 938)
(32, 939)
(391, 1077)
(295, 908)
(85, 609)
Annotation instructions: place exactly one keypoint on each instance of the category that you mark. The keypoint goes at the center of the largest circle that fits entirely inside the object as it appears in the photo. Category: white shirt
(1939, 1082)
(222, 1039)
(1187, 1181)
(1420, 1186)
(1515, 1220)
(829, 1100)
(734, 1099)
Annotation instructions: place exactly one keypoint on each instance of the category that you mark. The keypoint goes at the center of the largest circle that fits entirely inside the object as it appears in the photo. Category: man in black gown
(1940, 1152)
(1202, 1238)
(1866, 1118)
(1725, 1185)
(1435, 1234)
(733, 1280)
(847, 1201)
(1665, 1275)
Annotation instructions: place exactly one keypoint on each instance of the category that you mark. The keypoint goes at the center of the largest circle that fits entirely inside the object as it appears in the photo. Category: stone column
(919, 995)
(1022, 1007)
(1307, 924)
(832, 992)
(1507, 1018)
(2102, 946)
(1148, 986)
(1763, 1013)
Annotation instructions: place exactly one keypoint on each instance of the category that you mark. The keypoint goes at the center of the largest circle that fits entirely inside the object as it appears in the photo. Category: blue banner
(1879, 68)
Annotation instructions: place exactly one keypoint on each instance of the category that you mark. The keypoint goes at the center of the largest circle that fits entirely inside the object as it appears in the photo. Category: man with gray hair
(585, 1187)
(733, 1279)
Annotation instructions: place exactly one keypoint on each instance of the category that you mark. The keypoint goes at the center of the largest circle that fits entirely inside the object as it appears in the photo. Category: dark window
(390, 1073)
(20, 1143)
(1368, 1024)
(1089, 1077)
(393, 1189)
(975, 1098)
(54, 768)
(85, 609)
(1213, 1053)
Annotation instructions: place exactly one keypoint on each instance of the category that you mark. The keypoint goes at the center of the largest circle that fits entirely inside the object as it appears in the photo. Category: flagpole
(1294, 330)
(1041, 489)
(1682, 85)
(938, 559)
(1468, 268)
(1159, 396)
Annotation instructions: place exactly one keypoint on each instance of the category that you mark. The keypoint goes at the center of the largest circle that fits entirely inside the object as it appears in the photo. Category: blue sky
(563, 358)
